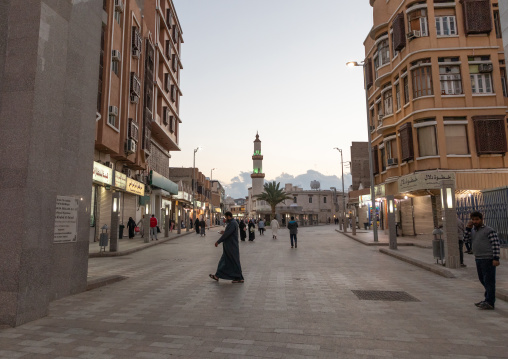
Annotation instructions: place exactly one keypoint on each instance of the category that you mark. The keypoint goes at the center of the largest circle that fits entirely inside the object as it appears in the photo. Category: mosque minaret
(258, 177)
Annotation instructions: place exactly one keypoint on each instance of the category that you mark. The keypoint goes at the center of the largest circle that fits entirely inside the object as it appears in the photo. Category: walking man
(153, 227)
(293, 231)
(485, 245)
(229, 266)
(261, 227)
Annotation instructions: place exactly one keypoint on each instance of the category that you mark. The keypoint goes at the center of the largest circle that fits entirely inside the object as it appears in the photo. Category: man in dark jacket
(485, 245)
(293, 231)
(229, 264)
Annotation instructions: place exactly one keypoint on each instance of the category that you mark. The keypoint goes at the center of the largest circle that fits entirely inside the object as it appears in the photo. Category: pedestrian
(190, 223)
(229, 266)
(293, 231)
(131, 224)
(243, 231)
(460, 232)
(196, 226)
(208, 223)
(485, 244)
(153, 227)
(261, 227)
(171, 225)
(252, 230)
(202, 225)
(275, 228)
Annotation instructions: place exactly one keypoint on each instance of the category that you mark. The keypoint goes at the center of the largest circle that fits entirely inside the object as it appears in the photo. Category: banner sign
(424, 180)
(120, 180)
(102, 174)
(135, 187)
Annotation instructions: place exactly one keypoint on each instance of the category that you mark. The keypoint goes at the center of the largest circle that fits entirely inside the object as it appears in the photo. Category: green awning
(162, 182)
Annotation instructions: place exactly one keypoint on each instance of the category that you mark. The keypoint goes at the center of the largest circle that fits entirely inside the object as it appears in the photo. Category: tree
(273, 195)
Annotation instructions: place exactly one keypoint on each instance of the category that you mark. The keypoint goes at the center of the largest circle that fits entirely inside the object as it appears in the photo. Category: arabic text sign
(120, 180)
(102, 173)
(66, 219)
(135, 187)
(424, 180)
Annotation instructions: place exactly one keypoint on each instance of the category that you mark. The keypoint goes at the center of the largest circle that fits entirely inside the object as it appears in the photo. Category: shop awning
(160, 181)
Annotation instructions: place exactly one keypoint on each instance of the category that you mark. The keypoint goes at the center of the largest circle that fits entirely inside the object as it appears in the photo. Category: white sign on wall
(102, 173)
(66, 219)
(424, 180)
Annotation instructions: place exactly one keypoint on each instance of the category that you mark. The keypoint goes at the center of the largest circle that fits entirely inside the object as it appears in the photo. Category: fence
(493, 204)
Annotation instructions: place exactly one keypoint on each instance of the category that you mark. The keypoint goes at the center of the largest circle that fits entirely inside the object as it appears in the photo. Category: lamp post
(371, 160)
(211, 173)
(194, 185)
(344, 227)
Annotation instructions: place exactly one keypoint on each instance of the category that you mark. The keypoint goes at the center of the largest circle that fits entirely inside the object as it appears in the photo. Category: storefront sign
(365, 199)
(102, 173)
(120, 180)
(218, 210)
(379, 190)
(424, 180)
(183, 195)
(135, 187)
(66, 219)
(199, 204)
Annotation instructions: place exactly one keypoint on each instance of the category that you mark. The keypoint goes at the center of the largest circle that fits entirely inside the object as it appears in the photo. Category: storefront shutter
(375, 159)
(490, 134)
(399, 32)
(369, 81)
(406, 142)
(477, 16)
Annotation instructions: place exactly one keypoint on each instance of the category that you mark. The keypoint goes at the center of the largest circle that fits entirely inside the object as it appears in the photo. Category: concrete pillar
(452, 255)
(167, 219)
(187, 219)
(115, 222)
(146, 223)
(178, 212)
(392, 230)
(49, 71)
(354, 220)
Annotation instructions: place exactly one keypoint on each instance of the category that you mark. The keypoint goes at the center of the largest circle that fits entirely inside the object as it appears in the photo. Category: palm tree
(273, 195)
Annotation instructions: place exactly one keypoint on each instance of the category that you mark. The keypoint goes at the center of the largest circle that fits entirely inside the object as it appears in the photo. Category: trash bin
(120, 232)
(438, 245)
(104, 238)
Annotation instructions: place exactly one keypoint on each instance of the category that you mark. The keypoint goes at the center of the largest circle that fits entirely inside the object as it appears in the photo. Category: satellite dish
(315, 185)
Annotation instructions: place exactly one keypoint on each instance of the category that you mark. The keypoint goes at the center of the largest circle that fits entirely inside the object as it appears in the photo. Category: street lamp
(343, 196)
(211, 173)
(371, 161)
(194, 185)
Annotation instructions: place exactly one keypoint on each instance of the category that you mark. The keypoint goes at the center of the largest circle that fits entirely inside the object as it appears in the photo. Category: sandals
(214, 277)
(237, 281)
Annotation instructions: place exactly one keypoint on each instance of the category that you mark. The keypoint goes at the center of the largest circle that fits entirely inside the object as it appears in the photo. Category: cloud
(238, 187)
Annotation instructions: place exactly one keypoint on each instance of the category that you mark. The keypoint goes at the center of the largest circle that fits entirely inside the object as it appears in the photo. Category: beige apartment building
(138, 103)
(436, 81)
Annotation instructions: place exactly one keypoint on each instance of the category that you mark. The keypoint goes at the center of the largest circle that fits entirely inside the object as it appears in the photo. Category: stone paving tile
(294, 304)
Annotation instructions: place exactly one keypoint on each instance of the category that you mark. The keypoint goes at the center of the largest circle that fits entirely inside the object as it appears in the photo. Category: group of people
(200, 225)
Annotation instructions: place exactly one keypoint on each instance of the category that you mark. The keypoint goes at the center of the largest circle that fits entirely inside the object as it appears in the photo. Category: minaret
(257, 173)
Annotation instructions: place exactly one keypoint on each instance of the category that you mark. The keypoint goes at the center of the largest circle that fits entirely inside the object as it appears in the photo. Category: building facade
(138, 102)
(435, 75)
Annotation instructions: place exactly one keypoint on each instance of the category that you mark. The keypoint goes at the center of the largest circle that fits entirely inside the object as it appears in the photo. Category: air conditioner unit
(485, 67)
(392, 161)
(116, 55)
(119, 5)
(113, 110)
(127, 172)
(109, 164)
(136, 53)
(130, 146)
(413, 34)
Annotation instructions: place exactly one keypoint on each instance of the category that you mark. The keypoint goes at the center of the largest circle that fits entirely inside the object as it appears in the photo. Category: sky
(276, 67)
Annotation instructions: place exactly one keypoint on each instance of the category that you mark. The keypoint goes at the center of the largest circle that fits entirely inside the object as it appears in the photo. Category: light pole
(371, 160)
(194, 185)
(344, 227)
(211, 173)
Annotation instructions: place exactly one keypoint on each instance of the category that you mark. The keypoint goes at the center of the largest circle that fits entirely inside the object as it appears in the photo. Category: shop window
(427, 141)
(421, 72)
(456, 139)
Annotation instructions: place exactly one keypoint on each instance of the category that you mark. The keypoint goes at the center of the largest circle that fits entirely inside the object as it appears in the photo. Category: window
(397, 95)
(497, 24)
(112, 120)
(115, 67)
(324, 199)
(480, 70)
(406, 90)
(450, 78)
(383, 50)
(417, 21)
(310, 199)
(422, 78)
(427, 143)
(118, 17)
(294, 200)
(394, 52)
(481, 83)
(383, 159)
(456, 140)
(503, 81)
(446, 25)
(388, 101)
(391, 151)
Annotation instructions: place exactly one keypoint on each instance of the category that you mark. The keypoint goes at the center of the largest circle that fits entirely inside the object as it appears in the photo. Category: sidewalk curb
(373, 244)
(137, 249)
(431, 268)
(103, 281)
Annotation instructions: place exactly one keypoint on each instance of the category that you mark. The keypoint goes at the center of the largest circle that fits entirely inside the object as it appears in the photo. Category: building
(138, 123)
(258, 179)
(360, 173)
(435, 75)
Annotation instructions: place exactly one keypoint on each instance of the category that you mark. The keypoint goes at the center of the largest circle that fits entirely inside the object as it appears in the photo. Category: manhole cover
(383, 295)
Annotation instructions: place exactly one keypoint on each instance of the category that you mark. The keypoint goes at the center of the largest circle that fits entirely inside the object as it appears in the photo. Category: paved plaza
(295, 303)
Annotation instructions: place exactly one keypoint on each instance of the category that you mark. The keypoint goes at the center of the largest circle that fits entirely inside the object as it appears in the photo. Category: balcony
(163, 138)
